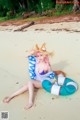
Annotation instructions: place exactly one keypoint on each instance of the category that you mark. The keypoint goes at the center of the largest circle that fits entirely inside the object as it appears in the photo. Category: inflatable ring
(32, 63)
(67, 88)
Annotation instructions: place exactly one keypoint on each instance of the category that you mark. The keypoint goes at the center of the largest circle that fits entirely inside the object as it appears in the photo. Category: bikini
(42, 73)
(49, 75)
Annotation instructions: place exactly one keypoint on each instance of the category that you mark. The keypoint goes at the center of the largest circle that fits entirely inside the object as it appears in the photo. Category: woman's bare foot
(6, 99)
(28, 106)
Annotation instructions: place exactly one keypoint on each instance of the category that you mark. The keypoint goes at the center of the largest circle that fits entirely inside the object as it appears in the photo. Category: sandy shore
(66, 26)
(14, 73)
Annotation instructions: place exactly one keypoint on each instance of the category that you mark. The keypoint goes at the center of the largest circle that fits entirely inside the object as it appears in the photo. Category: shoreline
(62, 26)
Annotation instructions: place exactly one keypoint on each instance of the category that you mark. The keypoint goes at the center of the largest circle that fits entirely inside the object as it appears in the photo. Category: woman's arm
(32, 52)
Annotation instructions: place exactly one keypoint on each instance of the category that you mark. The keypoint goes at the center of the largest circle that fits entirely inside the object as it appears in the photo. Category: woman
(42, 76)
(42, 67)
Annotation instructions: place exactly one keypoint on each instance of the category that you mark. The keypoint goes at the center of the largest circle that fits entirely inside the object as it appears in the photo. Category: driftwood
(20, 28)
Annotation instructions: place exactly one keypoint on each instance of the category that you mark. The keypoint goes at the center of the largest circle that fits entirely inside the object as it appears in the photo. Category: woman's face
(40, 56)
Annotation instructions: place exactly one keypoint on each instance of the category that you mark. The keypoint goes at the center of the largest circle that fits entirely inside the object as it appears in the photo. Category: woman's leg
(20, 91)
(31, 86)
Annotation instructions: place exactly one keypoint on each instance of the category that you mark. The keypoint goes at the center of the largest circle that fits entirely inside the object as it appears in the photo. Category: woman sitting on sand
(42, 67)
(42, 77)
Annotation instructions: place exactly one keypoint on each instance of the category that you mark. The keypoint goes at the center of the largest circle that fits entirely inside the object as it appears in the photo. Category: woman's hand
(32, 52)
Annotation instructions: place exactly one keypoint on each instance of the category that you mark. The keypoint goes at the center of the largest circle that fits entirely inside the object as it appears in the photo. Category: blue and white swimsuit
(63, 86)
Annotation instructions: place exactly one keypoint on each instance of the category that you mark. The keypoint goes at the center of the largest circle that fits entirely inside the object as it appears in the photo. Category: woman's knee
(30, 83)
(35, 84)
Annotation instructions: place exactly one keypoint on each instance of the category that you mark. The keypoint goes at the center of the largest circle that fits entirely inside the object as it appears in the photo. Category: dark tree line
(13, 6)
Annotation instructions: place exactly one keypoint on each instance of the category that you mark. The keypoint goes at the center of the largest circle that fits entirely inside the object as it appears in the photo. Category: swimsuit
(42, 73)
(47, 76)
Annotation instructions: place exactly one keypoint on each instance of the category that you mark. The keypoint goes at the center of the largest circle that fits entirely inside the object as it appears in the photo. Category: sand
(14, 73)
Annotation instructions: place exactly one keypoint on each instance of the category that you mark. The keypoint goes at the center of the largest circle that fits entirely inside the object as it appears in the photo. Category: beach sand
(14, 73)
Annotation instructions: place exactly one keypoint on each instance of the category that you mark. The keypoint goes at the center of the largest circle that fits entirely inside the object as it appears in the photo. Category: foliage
(44, 5)
(11, 8)
(63, 9)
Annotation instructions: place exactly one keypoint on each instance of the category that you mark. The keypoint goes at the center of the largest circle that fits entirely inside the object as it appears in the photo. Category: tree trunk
(76, 6)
